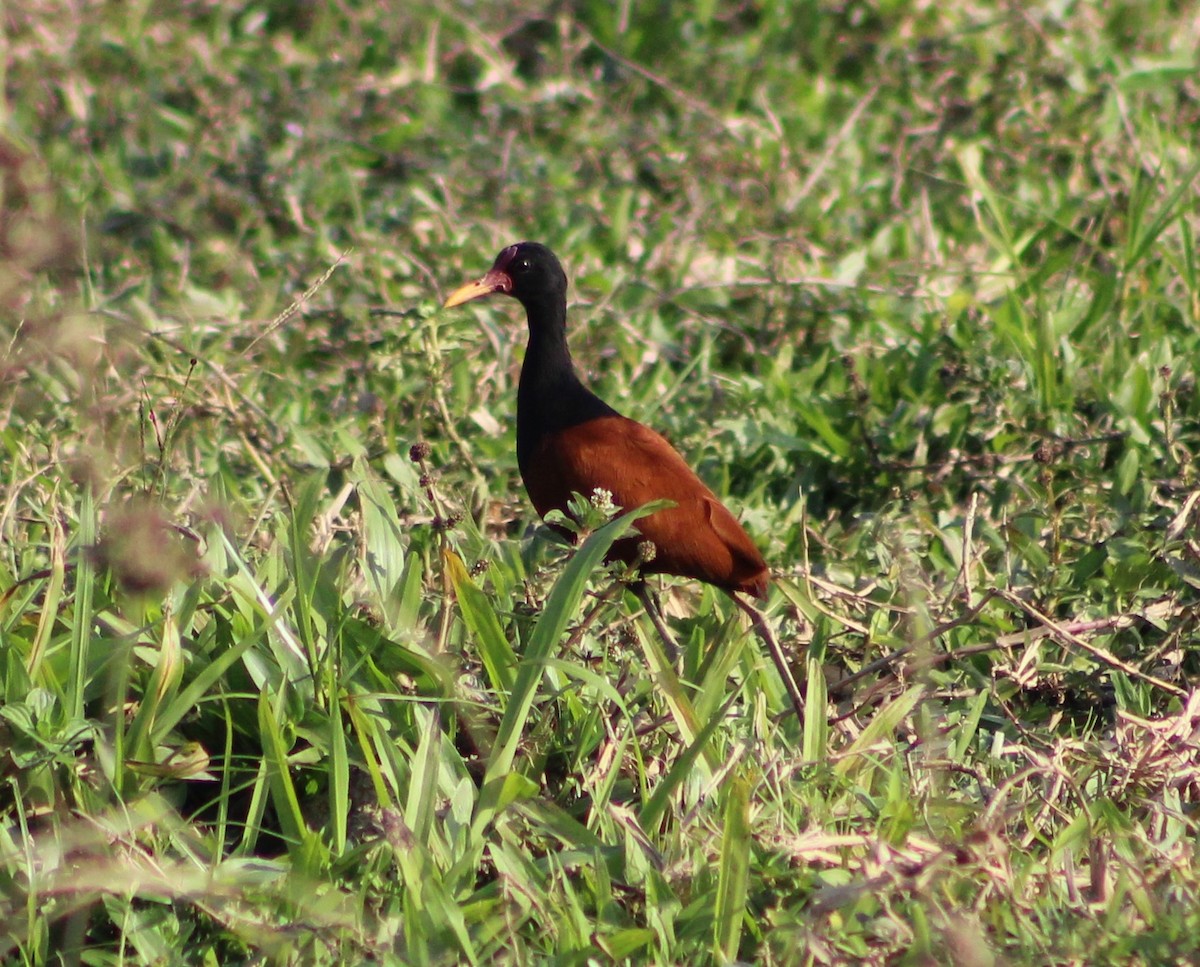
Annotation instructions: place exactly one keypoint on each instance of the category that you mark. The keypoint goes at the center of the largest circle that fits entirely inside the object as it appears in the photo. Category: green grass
(916, 289)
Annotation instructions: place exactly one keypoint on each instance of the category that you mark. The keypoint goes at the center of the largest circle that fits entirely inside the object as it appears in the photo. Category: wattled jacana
(569, 440)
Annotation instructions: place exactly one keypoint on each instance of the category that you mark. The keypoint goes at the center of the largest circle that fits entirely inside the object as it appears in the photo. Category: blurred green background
(915, 288)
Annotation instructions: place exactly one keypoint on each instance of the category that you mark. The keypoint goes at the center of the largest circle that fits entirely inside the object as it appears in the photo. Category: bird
(571, 441)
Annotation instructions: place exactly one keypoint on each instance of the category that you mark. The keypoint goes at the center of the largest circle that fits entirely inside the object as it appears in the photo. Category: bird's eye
(523, 265)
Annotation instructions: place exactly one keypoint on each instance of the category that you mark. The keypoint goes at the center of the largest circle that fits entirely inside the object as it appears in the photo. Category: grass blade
(734, 873)
(81, 625)
(816, 703)
(561, 606)
(480, 617)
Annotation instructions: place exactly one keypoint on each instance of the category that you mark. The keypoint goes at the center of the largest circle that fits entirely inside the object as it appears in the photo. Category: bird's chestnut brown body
(571, 441)
(697, 538)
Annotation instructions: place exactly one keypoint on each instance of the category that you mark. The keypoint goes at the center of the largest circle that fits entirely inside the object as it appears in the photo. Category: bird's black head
(528, 271)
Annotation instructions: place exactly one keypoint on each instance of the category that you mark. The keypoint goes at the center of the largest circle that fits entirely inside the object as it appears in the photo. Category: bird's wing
(629, 460)
(698, 537)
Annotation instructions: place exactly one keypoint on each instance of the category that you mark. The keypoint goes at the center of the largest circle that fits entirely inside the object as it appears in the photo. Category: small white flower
(602, 500)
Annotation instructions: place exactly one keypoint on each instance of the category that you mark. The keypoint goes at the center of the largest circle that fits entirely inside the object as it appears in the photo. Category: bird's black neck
(551, 396)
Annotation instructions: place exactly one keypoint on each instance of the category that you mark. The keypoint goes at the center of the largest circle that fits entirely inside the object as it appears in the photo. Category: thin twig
(697, 104)
(602, 600)
(656, 619)
(298, 304)
(1068, 632)
(890, 659)
(1065, 634)
(817, 171)
(776, 652)
(968, 534)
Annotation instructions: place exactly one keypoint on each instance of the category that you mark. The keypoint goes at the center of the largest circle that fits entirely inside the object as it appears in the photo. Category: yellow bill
(494, 281)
